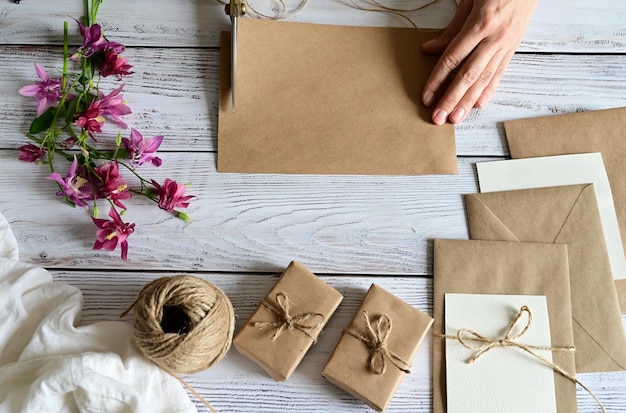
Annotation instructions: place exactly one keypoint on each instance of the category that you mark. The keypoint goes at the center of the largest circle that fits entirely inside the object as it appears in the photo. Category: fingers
(473, 76)
(488, 92)
(476, 48)
(463, 45)
(439, 44)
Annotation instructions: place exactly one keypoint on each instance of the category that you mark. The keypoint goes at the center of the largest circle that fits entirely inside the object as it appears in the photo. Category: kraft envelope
(563, 215)
(512, 268)
(563, 170)
(326, 99)
(596, 131)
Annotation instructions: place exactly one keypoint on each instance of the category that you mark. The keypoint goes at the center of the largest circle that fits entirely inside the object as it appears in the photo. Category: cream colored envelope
(595, 131)
(563, 215)
(502, 267)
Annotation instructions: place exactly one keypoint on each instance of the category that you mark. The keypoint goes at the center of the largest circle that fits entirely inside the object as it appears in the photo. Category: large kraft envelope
(322, 99)
(563, 215)
(595, 131)
(503, 267)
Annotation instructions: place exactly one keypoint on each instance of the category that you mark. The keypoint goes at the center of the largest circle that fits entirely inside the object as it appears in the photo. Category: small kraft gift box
(376, 350)
(288, 321)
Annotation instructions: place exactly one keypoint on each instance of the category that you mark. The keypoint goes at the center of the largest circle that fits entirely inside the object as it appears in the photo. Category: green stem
(65, 55)
(86, 19)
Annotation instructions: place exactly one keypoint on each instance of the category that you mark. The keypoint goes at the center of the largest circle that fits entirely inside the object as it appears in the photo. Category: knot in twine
(203, 320)
(287, 321)
(483, 345)
(377, 332)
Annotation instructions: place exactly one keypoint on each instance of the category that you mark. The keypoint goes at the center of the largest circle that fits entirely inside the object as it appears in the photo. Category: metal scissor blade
(233, 58)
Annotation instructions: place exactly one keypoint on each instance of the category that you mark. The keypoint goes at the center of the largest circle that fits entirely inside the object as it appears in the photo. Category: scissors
(235, 9)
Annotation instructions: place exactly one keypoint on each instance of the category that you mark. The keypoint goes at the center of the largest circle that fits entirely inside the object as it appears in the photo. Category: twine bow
(484, 344)
(287, 321)
(377, 332)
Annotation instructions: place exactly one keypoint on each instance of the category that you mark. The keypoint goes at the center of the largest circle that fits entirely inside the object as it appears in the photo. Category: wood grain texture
(558, 25)
(237, 385)
(354, 230)
(332, 224)
(174, 92)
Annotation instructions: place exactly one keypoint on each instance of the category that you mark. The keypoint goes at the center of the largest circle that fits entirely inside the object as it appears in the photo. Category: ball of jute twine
(184, 324)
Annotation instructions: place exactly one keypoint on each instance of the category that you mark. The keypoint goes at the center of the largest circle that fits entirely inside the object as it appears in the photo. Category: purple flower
(111, 184)
(112, 233)
(171, 195)
(91, 120)
(94, 42)
(48, 92)
(30, 152)
(114, 64)
(142, 150)
(75, 187)
(112, 105)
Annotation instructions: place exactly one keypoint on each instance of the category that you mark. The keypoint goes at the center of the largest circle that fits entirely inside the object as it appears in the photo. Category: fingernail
(458, 115)
(428, 99)
(440, 116)
(481, 102)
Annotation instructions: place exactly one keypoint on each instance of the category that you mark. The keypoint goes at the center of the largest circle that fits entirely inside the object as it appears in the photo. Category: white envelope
(586, 168)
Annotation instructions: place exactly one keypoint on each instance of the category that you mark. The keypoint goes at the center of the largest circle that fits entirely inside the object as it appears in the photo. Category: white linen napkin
(49, 365)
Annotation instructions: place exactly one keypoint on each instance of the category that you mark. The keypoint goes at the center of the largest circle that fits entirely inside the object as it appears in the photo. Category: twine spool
(184, 324)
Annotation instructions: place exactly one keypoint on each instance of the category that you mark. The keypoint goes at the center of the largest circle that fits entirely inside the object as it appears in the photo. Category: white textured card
(503, 379)
(584, 168)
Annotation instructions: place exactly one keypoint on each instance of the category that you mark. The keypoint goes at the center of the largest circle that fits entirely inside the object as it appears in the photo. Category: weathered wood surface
(236, 384)
(558, 25)
(354, 230)
(332, 224)
(174, 92)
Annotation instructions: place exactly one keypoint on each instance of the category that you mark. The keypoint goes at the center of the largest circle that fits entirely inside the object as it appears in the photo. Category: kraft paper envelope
(596, 131)
(513, 268)
(557, 171)
(323, 99)
(563, 215)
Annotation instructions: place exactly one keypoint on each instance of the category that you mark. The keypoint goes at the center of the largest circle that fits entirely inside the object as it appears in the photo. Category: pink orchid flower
(171, 195)
(114, 64)
(30, 152)
(94, 42)
(141, 150)
(112, 186)
(112, 105)
(91, 120)
(47, 91)
(75, 187)
(112, 233)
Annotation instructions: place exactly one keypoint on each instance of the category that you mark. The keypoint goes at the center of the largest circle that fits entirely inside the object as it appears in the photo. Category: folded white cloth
(49, 365)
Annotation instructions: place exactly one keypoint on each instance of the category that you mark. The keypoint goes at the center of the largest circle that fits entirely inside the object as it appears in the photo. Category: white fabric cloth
(49, 365)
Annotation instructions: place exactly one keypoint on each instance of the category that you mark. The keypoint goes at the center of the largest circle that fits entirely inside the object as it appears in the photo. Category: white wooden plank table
(351, 230)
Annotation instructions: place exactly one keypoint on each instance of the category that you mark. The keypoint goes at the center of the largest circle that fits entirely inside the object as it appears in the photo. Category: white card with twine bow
(502, 379)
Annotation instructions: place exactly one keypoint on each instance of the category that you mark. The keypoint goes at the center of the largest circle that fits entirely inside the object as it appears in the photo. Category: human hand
(477, 46)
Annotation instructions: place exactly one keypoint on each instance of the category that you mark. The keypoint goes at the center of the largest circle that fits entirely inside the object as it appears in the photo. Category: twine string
(377, 332)
(211, 326)
(483, 345)
(376, 6)
(285, 321)
(281, 14)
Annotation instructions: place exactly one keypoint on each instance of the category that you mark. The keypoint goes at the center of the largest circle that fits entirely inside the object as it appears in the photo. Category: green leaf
(71, 110)
(42, 123)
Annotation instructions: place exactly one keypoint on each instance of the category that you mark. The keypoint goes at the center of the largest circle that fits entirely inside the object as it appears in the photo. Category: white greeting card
(502, 379)
(586, 168)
